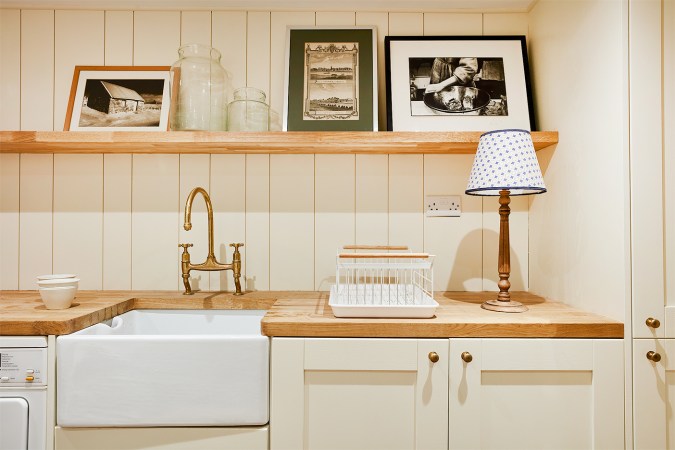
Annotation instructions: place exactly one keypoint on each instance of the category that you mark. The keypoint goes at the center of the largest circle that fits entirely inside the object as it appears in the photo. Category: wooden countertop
(307, 314)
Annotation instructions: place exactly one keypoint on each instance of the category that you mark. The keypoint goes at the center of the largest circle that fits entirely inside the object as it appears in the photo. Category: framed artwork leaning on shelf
(119, 98)
(457, 83)
(331, 79)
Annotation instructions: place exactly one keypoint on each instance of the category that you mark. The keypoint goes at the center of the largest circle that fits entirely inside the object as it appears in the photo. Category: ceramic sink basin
(165, 368)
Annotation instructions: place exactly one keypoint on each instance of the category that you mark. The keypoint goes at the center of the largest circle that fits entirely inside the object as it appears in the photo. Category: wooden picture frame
(458, 83)
(119, 98)
(331, 79)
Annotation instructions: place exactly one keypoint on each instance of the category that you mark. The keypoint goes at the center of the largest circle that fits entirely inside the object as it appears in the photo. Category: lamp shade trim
(495, 190)
(505, 130)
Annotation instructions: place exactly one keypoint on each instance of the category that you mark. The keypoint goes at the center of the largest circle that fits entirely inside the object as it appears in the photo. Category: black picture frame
(498, 66)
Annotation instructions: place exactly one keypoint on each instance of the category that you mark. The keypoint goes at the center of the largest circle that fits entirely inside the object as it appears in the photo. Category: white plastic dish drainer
(382, 283)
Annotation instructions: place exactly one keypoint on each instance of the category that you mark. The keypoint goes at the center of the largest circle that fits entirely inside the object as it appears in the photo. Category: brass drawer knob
(653, 356)
(433, 357)
(466, 357)
(653, 323)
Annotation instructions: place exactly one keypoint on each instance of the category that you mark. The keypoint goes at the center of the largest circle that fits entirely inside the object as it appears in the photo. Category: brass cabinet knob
(466, 357)
(653, 323)
(433, 357)
(653, 356)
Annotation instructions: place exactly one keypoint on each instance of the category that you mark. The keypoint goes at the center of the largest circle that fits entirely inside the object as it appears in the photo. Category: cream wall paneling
(9, 221)
(195, 27)
(334, 213)
(503, 397)
(79, 40)
(646, 174)
(292, 222)
(258, 50)
(669, 147)
(119, 46)
(505, 24)
(406, 192)
(228, 35)
(401, 24)
(372, 199)
(228, 194)
(37, 70)
(444, 24)
(257, 222)
(156, 37)
(195, 171)
(10, 69)
(36, 174)
(155, 222)
(578, 241)
(381, 21)
(117, 221)
(78, 218)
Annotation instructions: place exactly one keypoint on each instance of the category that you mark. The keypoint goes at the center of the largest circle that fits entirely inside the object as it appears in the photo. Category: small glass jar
(202, 90)
(248, 111)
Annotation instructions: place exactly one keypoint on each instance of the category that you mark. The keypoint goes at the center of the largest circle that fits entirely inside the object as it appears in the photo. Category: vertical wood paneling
(372, 199)
(669, 144)
(78, 218)
(401, 24)
(9, 221)
(257, 222)
(505, 24)
(228, 35)
(70, 49)
(117, 221)
(333, 214)
(35, 219)
(119, 38)
(334, 18)
(281, 20)
(155, 222)
(444, 24)
(406, 192)
(10, 69)
(195, 27)
(381, 21)
(156, 37)
(291, 222)
(258, 51)
(195, 172)
(228, 194)
(37, 70)
(454, 240)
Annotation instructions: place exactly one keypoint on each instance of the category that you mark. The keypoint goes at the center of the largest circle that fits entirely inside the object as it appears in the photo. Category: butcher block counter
(307, 314)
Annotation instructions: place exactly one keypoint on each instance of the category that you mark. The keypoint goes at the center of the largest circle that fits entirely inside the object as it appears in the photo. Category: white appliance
(23, 392)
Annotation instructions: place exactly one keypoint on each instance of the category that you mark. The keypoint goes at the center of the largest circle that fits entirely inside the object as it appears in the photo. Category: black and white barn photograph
(457, 86)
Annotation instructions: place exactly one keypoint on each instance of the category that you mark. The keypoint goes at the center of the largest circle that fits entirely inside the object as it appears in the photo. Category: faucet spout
(187, 225)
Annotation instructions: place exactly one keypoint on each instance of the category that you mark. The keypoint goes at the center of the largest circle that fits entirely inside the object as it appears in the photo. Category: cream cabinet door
(653, 394)
(536, 394)
(358, 394)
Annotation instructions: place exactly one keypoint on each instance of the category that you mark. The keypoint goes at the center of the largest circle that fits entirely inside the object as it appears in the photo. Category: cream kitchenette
(587, 366)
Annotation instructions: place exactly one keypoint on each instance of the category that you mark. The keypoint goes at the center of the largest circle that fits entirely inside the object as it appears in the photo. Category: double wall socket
(442, 205)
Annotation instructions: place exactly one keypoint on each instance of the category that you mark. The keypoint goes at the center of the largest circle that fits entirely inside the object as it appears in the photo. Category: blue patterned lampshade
(505, 160)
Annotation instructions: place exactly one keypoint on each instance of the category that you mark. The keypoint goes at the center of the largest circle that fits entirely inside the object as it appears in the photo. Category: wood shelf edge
(384, 142)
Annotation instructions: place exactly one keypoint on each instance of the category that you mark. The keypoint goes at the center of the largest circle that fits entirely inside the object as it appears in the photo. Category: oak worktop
(307, 314)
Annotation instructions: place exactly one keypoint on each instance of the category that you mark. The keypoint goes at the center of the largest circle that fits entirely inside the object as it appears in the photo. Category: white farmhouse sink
(165, 368)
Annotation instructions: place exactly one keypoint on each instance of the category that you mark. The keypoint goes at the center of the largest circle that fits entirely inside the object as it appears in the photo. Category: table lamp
(505, 165)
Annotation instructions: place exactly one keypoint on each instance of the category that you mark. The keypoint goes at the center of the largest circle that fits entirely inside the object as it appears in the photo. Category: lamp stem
(503, 302)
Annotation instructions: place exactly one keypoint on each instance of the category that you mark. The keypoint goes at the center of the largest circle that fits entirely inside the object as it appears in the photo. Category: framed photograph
(457, 83)
(119, 98)
(331, 79)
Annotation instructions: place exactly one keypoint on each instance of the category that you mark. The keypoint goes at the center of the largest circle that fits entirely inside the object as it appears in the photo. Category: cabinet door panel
(653, 395)
(361, 354)
(535, 393)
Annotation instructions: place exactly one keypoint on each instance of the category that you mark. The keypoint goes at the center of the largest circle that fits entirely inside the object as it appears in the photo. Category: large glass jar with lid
(202, 90)
(248, 111)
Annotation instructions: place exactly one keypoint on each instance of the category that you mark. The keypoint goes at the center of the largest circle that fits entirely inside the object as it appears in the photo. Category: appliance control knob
(4, 379)
(30, 371)
(29, 379)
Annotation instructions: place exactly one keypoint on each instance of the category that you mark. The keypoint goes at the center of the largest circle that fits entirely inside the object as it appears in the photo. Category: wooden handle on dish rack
(383, 255)
(375, 247)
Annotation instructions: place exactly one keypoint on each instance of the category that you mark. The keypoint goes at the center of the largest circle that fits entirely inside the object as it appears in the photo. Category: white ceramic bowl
(58, 297)
(55, 276)
(59, 282)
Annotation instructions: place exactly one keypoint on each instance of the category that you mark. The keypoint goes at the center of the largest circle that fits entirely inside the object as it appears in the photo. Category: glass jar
(248, 111)
(202, 90)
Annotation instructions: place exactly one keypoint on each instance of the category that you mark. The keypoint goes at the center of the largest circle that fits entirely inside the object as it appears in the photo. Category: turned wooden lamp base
(502, 306)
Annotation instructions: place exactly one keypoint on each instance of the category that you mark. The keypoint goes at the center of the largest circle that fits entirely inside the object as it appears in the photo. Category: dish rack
(383, 281)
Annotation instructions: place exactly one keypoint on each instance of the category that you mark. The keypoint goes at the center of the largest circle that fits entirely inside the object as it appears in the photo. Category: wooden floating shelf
(276, 142)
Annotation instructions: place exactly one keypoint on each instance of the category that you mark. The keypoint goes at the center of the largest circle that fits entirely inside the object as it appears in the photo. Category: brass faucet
(211, 263)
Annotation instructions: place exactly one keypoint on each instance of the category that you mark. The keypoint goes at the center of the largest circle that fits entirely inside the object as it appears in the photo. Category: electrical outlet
(442, 205)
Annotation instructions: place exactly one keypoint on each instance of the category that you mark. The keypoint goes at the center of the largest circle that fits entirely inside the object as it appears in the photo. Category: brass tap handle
(433, 357)
(653, 323)
(185, 246)
(236, 246)
(653, 356)
(467, 357)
